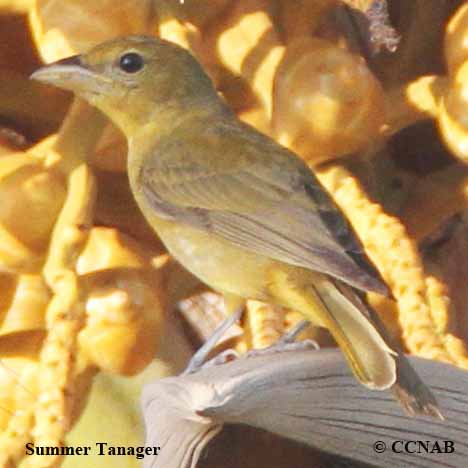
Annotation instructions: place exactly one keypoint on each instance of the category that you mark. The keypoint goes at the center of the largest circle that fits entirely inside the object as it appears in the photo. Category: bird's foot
(198, 359)
(225, 356)
(287, 342)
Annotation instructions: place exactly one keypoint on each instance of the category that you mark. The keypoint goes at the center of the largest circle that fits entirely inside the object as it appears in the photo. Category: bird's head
(132, 79)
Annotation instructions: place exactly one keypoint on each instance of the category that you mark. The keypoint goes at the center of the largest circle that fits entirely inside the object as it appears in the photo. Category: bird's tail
(374, 358)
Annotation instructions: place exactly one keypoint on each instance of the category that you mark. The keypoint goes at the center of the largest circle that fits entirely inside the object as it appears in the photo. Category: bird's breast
(218, 263)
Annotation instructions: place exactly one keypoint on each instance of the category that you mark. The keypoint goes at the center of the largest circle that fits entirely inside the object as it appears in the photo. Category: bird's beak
(72, 74)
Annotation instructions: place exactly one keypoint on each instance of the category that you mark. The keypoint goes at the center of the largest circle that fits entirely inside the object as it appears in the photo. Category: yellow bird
(238, 210)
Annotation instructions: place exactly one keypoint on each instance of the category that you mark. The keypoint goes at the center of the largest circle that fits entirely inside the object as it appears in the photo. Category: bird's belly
(218, 263)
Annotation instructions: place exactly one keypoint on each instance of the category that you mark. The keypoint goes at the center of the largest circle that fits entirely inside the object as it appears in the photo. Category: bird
(241, 212)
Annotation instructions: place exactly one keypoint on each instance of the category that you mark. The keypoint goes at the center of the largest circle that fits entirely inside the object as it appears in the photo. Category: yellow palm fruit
(124, 303)
(67, 27)
(453, 114)
(108, 249)
(246, 44)
(173, 30)
(456, 39)
(327, 102)
(31, 200)
(123, 322)
(23, 303)
(32, 197)
(444, 98)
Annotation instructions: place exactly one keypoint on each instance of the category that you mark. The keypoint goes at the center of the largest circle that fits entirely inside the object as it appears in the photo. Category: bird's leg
(287, 342)
(292, 334)
(199, 357)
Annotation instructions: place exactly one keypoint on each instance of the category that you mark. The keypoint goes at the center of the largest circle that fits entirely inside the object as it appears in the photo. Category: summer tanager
(241, 212)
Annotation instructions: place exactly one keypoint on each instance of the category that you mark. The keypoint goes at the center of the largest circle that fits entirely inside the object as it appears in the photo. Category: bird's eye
(131, 62)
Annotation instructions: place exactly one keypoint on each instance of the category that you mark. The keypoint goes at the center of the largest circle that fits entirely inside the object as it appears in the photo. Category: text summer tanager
(241, 212)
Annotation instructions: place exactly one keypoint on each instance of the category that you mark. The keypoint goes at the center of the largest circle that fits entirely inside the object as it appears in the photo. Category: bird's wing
(238, 184)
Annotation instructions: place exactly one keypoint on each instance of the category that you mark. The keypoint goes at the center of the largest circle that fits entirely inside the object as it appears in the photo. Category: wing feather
(259, 196)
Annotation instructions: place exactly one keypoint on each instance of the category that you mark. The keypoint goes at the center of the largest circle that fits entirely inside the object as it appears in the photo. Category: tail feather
(414, 395)
(369, 356)
(375, 358)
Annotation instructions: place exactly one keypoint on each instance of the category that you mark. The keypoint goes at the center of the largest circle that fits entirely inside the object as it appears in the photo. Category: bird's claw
(198, 359)
(221, 358)
(287, 342)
